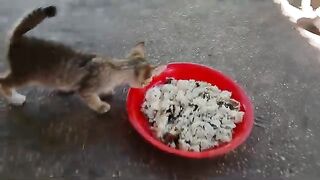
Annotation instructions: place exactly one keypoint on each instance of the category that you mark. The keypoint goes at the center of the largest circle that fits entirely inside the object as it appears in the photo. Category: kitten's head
(143, 71)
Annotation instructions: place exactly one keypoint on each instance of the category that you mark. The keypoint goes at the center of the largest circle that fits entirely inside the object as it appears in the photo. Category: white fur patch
(16, 98)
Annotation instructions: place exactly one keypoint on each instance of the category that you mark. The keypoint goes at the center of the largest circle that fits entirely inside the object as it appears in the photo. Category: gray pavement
(59, 137)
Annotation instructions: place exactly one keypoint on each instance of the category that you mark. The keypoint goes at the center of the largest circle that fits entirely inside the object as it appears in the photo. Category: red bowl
(201, 73)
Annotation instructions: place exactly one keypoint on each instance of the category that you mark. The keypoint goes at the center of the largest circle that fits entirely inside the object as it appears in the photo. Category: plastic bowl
(201, 73)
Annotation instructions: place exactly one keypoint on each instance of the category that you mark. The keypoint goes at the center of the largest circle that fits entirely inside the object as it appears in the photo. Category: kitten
(35, 61)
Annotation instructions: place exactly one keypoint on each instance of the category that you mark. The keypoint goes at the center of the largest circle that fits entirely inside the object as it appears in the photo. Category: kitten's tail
(32, 20)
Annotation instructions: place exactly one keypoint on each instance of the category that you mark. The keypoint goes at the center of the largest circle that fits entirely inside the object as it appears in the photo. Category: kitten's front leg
(95, 103)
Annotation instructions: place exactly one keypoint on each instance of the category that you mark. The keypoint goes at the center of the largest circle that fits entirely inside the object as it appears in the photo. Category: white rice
(191, 115)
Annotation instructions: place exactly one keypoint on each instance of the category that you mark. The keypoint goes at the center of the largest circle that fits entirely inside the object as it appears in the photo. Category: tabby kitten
(36, 61)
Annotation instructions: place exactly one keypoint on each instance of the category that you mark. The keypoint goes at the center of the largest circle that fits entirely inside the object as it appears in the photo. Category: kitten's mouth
(146, 82)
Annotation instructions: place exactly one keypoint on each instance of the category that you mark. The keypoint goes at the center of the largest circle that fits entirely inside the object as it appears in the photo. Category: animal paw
(104, 107)
(17, 99)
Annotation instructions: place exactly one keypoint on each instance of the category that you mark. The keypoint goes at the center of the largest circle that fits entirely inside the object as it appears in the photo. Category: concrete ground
(59, 137)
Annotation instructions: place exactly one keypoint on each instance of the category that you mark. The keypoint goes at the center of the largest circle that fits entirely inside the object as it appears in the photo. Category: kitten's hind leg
(95, 103)
(16, 98)
(11, 95)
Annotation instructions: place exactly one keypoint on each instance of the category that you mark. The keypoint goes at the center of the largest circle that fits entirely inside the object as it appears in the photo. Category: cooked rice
(191, 115)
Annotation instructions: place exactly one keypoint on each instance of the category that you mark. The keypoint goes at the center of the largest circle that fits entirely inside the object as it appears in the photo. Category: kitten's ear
(137, 52)
(158, 69)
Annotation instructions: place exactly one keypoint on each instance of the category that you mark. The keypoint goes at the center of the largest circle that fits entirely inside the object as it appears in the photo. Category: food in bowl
(191, 115)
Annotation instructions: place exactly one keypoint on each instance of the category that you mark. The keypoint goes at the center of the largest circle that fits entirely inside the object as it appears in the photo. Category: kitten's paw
(104, 107)
(17, 99)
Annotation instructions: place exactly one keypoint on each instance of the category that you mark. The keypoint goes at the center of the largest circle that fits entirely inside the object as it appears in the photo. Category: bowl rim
(204, 154)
